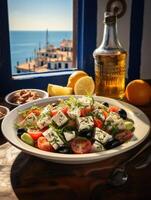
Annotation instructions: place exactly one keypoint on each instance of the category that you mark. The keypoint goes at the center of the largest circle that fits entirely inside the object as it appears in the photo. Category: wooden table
(26, 177)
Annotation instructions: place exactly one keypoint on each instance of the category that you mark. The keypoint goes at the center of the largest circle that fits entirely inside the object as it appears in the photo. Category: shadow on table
(33, 178)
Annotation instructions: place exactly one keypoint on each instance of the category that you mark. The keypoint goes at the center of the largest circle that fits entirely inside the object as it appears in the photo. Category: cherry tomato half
(98, 123)
(53, 112)
(35, 111)
(35, 134)
(124, 136)
(81, 145)
(85, 111)
(65, 110)
(113, 109)
(44, 145)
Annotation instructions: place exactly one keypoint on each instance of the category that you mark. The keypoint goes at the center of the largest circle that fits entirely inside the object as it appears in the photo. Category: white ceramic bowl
(142, 127)
(4, 110)
(41, 93)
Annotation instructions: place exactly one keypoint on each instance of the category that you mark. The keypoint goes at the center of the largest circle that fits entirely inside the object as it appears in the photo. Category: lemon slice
(84, 86)
(57, 90)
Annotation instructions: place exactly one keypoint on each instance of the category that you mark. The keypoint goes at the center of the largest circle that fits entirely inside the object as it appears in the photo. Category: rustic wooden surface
(25, 177)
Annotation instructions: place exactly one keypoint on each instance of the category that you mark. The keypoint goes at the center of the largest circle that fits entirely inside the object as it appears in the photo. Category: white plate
(142, 127)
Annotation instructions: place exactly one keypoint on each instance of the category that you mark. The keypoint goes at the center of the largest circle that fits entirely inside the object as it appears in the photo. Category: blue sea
(24, 43)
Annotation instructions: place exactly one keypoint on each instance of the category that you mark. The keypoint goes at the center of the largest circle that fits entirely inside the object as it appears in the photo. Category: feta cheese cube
(30, 120)
(69, 135)
(99, 114)
(102, 136)
(44, 118)
(86, 101)
(44, 121)
(85, 123)
(60, 118)
(74, 113)
(97, 147)
(52, 137)
(46, 110)
(112, 117)
(114, 120)
(31, 117)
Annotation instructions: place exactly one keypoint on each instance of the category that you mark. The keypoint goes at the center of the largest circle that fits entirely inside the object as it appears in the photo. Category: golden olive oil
(110, 75)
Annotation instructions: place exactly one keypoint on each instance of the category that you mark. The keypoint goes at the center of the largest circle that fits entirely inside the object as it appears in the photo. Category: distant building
(66, 45)
(51, 58)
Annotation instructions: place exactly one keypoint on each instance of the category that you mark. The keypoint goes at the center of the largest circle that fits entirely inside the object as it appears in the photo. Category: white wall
(124, 33)
(146, 43)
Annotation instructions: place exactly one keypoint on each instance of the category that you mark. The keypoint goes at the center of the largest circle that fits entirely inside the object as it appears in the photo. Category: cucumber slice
(129, 125)
(27, 139)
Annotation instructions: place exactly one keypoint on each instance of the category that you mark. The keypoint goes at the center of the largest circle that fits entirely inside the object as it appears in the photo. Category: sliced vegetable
(124, 136)
(53, 112)
(114, 130)
(129, 125)
(35, 111)
(27, 139)
(81, 145)
(35, 134)
(105, 114)
(113, 109)
(98, 123)
(65, 110)
(85, 111)
(43, 144)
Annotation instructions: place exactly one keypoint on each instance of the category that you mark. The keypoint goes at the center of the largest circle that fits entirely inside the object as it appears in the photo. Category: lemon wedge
(57, 90)
(84, 86)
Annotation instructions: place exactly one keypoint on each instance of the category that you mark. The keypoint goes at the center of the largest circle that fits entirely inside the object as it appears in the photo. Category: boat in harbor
(49, 58)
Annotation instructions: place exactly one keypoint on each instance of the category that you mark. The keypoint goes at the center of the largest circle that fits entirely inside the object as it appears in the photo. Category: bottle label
(110, 66)
(110, 74)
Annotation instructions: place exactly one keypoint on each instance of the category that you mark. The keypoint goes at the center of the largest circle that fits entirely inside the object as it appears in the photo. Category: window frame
(85, 22)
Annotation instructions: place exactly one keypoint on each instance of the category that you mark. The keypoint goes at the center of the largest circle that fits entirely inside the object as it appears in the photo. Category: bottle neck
(110, 37)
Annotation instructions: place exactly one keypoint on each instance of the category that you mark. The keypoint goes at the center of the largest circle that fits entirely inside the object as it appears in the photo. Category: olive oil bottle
(110, 61)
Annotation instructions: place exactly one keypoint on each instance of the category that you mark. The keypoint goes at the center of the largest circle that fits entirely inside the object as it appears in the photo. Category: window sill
(39, 75)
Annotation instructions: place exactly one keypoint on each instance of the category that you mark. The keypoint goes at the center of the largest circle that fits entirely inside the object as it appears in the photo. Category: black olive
(112, 144)
(64, 149)
(20, 131)
(106, 104)
(54, 104)
(122, 113)
(89, 134)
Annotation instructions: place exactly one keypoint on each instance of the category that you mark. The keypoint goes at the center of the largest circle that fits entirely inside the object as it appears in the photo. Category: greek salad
(74, 126)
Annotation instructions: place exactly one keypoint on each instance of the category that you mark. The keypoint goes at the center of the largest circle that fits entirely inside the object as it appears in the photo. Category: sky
(40, 15)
